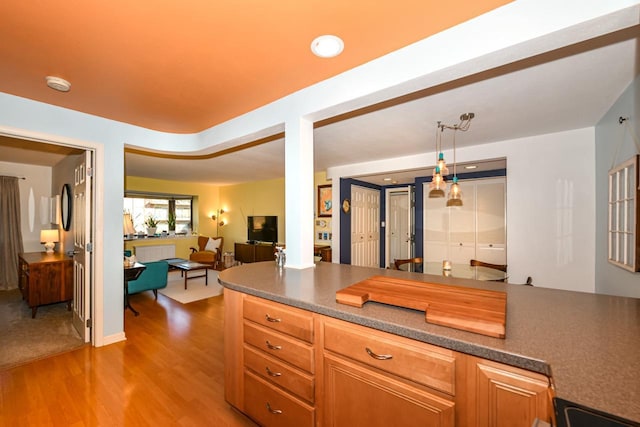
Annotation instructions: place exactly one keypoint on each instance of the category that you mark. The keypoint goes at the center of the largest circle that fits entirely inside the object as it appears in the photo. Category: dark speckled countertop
(589, 344)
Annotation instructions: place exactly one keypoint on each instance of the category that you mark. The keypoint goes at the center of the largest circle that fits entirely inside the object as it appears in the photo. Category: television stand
(254, 252)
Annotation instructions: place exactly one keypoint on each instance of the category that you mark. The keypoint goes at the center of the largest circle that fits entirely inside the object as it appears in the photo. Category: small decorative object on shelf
(171, 222)
(446, 265)
(151, 225)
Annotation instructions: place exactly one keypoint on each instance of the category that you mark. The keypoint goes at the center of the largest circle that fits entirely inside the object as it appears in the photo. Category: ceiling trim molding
(270, 138)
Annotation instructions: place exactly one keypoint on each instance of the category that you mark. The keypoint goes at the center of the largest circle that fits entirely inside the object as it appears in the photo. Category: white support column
(299, 192)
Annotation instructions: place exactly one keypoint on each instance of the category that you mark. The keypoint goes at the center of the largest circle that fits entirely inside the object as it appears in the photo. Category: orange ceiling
(185, 66)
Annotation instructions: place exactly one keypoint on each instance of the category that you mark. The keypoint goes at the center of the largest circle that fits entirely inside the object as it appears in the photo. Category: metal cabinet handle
(273, 347)
(378, 356)
(271, 373)
(272, 319)
(273, 411)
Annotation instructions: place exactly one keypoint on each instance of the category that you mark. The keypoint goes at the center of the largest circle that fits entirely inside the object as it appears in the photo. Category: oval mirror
(65, 207)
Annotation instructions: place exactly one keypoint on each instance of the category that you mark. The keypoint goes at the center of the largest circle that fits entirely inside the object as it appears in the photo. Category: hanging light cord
(455, 164)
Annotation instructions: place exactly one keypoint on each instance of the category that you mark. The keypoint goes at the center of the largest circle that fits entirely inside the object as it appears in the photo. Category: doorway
(399, 224)
(63, 171)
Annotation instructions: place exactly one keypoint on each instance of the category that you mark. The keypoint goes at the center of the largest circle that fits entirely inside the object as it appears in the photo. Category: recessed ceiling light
(58, 83)
(387, 179)
(327, 46)
(471, 167)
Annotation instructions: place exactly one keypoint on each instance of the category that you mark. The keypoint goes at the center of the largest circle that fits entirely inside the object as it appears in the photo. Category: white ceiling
(567, 89)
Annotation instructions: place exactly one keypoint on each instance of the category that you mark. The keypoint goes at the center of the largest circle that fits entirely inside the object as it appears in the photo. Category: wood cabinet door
(265, 253)
(47, 284)
(356, 396)
(244, 252)
(508, 397)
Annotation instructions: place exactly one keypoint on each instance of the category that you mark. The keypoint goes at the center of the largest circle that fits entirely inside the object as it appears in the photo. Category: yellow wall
(238, 202)
(322, 225)
(252, 198)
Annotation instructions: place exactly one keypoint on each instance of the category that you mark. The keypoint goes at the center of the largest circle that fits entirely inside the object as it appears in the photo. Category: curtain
(10, 232)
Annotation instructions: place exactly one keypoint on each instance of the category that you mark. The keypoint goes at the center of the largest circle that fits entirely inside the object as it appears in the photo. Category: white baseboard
(110, 339)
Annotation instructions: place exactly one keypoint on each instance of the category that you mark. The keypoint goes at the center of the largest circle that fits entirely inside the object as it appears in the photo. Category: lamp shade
(49, 237)
(127, 225)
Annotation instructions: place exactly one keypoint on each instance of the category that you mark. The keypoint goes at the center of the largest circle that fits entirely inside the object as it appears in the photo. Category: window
(142, 206)
(623, 215)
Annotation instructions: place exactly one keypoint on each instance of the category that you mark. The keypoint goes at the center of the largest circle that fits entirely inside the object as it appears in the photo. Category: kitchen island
(586, 344)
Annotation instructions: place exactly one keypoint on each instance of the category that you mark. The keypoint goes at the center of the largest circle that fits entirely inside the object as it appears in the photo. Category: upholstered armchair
(153, 277)
(209, 250)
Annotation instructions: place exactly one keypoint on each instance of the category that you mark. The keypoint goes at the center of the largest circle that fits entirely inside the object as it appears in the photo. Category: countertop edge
(515, 360)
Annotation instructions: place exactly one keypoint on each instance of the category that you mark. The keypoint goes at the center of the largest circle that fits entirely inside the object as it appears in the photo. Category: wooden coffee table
(186, 266)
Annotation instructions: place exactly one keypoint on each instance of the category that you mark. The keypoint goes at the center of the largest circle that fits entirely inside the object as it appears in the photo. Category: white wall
(550, 209)
(35, 194)
(550, 204)
(612, 137)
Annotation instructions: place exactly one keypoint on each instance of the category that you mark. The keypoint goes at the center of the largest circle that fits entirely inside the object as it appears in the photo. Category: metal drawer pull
(272, 319)
(271, 373)
(378, 356)
(273, 411)
(273, 347)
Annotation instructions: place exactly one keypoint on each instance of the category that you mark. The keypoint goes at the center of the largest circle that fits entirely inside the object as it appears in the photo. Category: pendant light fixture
(455, 195)
(441, 163)
(438, 182)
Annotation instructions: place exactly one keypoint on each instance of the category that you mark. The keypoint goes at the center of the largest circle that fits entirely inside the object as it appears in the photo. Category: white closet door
(462, 226)
(399, 226)
(373, 228)
(436, 228)
(491, 221)
(475, 230)
(365, 227)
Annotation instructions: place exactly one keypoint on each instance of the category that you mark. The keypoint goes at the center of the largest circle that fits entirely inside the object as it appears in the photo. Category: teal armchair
(154, 277)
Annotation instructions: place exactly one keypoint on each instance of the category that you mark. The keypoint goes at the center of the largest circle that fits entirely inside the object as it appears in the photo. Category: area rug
(196, 289)
(23, 339)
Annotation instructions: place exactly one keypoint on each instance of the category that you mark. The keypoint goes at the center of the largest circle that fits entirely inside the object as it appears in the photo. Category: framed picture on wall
(324, 200)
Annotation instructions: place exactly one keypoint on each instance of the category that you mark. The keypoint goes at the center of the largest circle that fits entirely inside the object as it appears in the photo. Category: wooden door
(365, 227)
(506, 396)
(82, 238)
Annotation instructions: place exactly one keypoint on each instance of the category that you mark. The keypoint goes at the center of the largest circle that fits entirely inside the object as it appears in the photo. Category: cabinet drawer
(282, 318)
(419, 362)
(270, 406)
(280, 346)
(279, 373)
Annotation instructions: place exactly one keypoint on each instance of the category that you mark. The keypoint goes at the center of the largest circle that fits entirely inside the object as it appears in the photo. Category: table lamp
(49, 238)
(127, 225)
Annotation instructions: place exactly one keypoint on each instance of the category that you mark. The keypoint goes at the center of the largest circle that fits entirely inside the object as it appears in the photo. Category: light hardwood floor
(169, 371)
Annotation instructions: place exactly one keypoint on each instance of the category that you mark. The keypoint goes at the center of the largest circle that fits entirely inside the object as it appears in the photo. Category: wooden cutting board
(475, 310)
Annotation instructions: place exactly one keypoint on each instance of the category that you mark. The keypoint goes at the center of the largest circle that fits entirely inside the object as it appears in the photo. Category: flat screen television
(262, 229)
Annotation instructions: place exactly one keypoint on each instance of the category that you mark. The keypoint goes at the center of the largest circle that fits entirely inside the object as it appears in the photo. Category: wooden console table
(323, 251)
(245, 252)
(45, 279)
